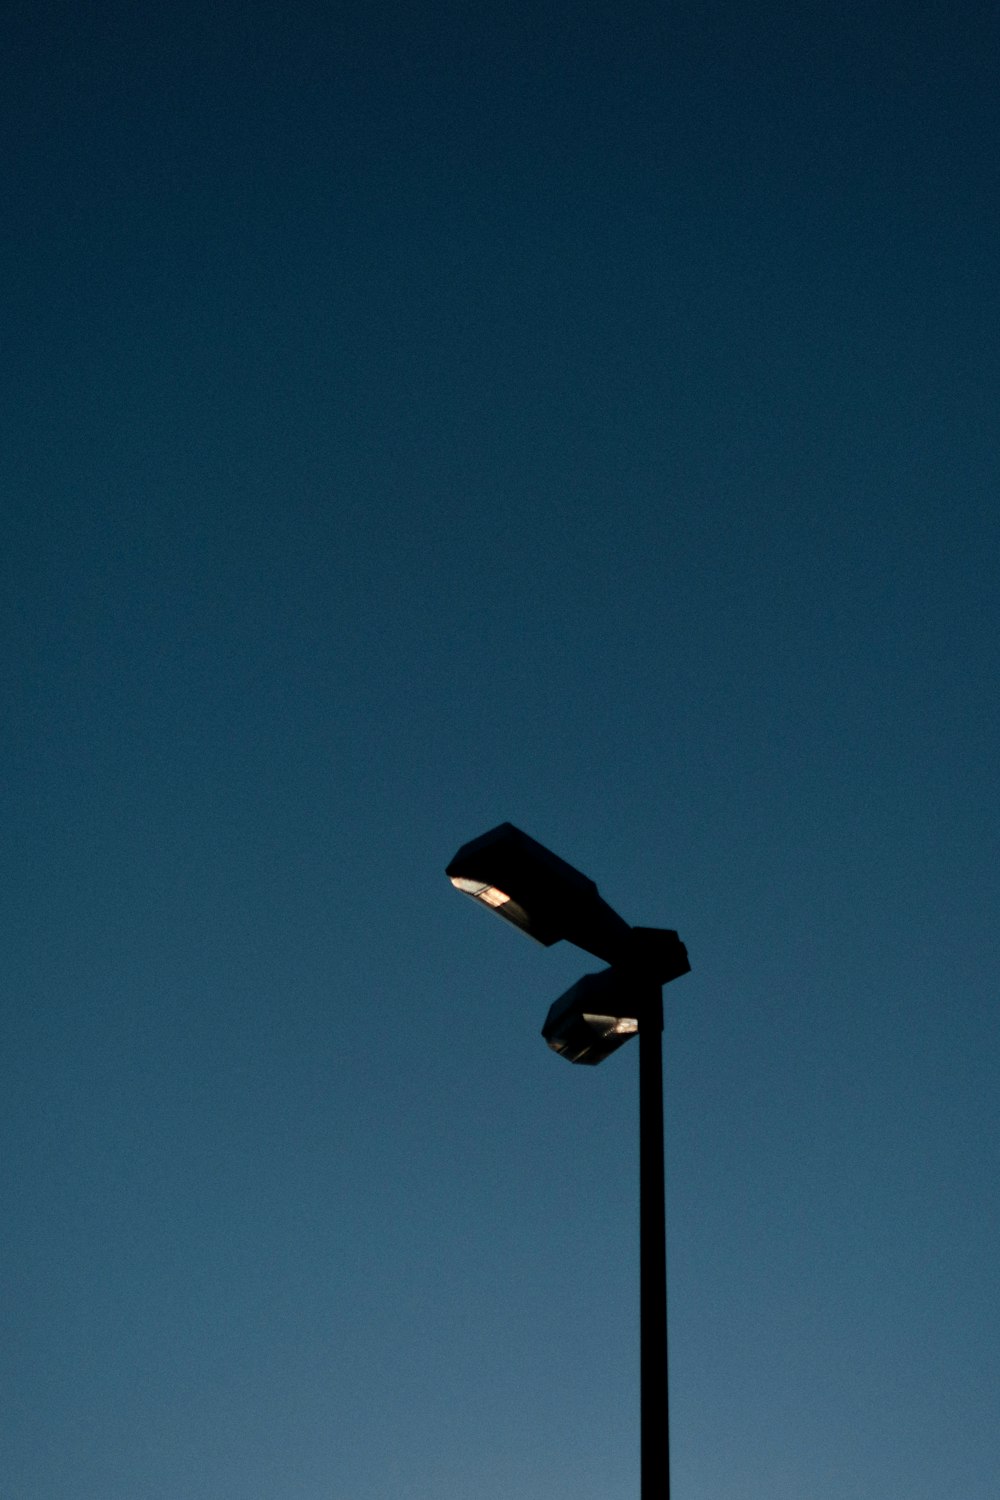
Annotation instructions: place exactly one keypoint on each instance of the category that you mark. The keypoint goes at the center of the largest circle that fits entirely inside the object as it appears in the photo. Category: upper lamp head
(537, 891)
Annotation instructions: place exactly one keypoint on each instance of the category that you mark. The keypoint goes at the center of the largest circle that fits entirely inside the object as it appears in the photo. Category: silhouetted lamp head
(601, 1011)
(527, 884)
(593, 1019)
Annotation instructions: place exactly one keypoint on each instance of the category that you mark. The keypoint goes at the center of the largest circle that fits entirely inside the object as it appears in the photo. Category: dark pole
(654, 1435)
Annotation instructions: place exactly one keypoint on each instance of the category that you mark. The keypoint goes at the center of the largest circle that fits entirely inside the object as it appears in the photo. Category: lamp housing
(597, 1015)
(528, 885)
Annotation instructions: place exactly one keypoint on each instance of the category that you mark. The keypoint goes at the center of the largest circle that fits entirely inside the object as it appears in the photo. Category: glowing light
(612, 1025)
(488, 894)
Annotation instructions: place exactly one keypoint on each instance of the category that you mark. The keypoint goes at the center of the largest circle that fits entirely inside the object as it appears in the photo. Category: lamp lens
(488, 894)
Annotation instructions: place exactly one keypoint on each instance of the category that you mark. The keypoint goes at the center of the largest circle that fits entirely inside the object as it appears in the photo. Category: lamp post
(548, 899)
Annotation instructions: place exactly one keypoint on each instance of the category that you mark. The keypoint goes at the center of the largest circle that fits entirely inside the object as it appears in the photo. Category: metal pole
(654, 1435)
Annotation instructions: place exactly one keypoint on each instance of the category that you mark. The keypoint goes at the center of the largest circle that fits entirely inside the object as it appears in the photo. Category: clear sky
(417, 417)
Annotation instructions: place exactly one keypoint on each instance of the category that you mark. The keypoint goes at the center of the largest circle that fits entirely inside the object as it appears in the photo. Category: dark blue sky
(418, 418)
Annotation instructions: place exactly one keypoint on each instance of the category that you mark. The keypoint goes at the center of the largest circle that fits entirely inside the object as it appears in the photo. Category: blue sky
(417, 419)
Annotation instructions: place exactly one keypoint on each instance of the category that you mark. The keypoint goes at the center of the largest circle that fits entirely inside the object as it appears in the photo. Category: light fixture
(530, 886)
(537, 891)
(592, 1019)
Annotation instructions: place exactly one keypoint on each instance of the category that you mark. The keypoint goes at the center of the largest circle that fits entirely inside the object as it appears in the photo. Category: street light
(521, 880)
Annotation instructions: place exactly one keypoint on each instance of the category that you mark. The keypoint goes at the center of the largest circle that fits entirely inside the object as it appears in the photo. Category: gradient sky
(417, 417)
